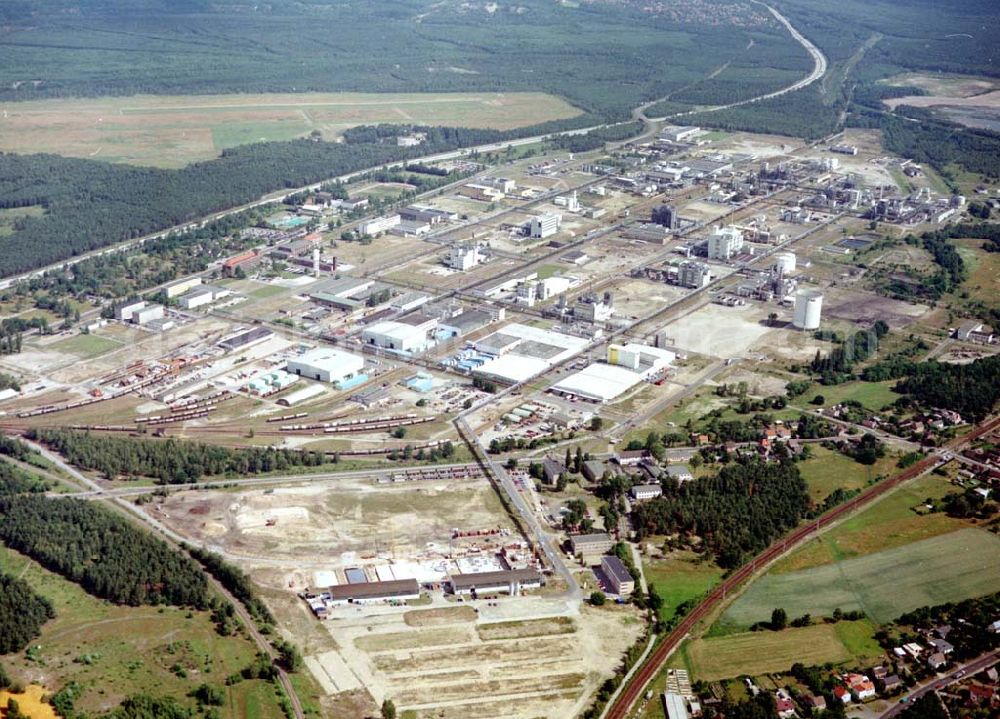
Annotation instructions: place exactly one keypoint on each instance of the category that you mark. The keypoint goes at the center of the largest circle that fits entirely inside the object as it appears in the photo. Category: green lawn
(115, 651)
(873, 395)
(679, 579)
(85, 346)
(263, 291)
(883, 585)
(828, 470)
(546, 271)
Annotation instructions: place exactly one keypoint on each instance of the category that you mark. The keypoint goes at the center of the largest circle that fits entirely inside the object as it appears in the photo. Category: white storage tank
(808, 308)
(785, 262)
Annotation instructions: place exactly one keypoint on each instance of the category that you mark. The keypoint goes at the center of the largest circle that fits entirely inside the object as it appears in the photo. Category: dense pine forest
(736, 513)
(22, 614)
(168, 461)
(101, 551)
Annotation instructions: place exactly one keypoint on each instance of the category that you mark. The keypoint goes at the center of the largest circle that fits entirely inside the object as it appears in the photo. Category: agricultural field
(883, 585)
(114, 652)
(176, 130)
(734, 655)
(891, 522)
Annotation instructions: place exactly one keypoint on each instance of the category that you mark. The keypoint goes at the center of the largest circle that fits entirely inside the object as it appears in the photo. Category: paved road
(541, 538)
(820, 65)
(965, 670)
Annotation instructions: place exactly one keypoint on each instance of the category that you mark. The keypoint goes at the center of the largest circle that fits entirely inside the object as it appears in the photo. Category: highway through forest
(619, 708)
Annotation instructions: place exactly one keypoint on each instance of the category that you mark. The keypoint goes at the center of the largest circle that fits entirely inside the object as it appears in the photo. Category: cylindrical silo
(808, 308)
(785, 262)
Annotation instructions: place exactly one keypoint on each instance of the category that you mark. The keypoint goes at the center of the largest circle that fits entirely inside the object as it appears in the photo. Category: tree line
(736, 513)
(169, 461)
(101, 551)
(236, 581)
(22, 613)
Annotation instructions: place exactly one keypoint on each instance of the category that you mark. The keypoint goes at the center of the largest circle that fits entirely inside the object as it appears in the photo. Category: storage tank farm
(808, 309)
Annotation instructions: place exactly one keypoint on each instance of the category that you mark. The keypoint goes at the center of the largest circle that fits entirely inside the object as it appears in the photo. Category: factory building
(679, 133)
(544, 225)
(326, 364)
(176, 289)
(465, 257)
(626, 366)
(808, 309)
(378, 225)
(126, 311)
(666, 216)
(512, 581)
(518, 352)
(203, 295)
(243, 262)
(591, 308)
(147, 314)
(784, 262)
(724, 243)
(483, 193)
(368, 592)
(400, 335)
(694, 274)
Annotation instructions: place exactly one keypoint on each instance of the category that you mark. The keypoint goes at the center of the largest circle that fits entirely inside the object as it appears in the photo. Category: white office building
(724, 243)
(379, 225)
(465, 257)
(694, 274)
(544, 225)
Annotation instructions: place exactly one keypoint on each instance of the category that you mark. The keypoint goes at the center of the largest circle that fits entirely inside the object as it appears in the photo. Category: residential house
(936, 660)
(816, 703)
(942, 646)
(862, 687)
(841, 693)
(891, 683)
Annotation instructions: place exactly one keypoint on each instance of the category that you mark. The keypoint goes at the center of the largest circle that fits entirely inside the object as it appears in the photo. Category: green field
(10, 215)
(115, 651)
(873, 395)
(891, 522)
(679, 579)
(85, 346)
(768, 652)
(174, 130)
(828, 470)
(883, 585)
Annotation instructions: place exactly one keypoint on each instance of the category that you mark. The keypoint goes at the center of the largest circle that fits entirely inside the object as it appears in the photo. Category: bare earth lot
(172, 131)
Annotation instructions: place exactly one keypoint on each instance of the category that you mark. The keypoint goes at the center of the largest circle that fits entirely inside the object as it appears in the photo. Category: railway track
(621, 706)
